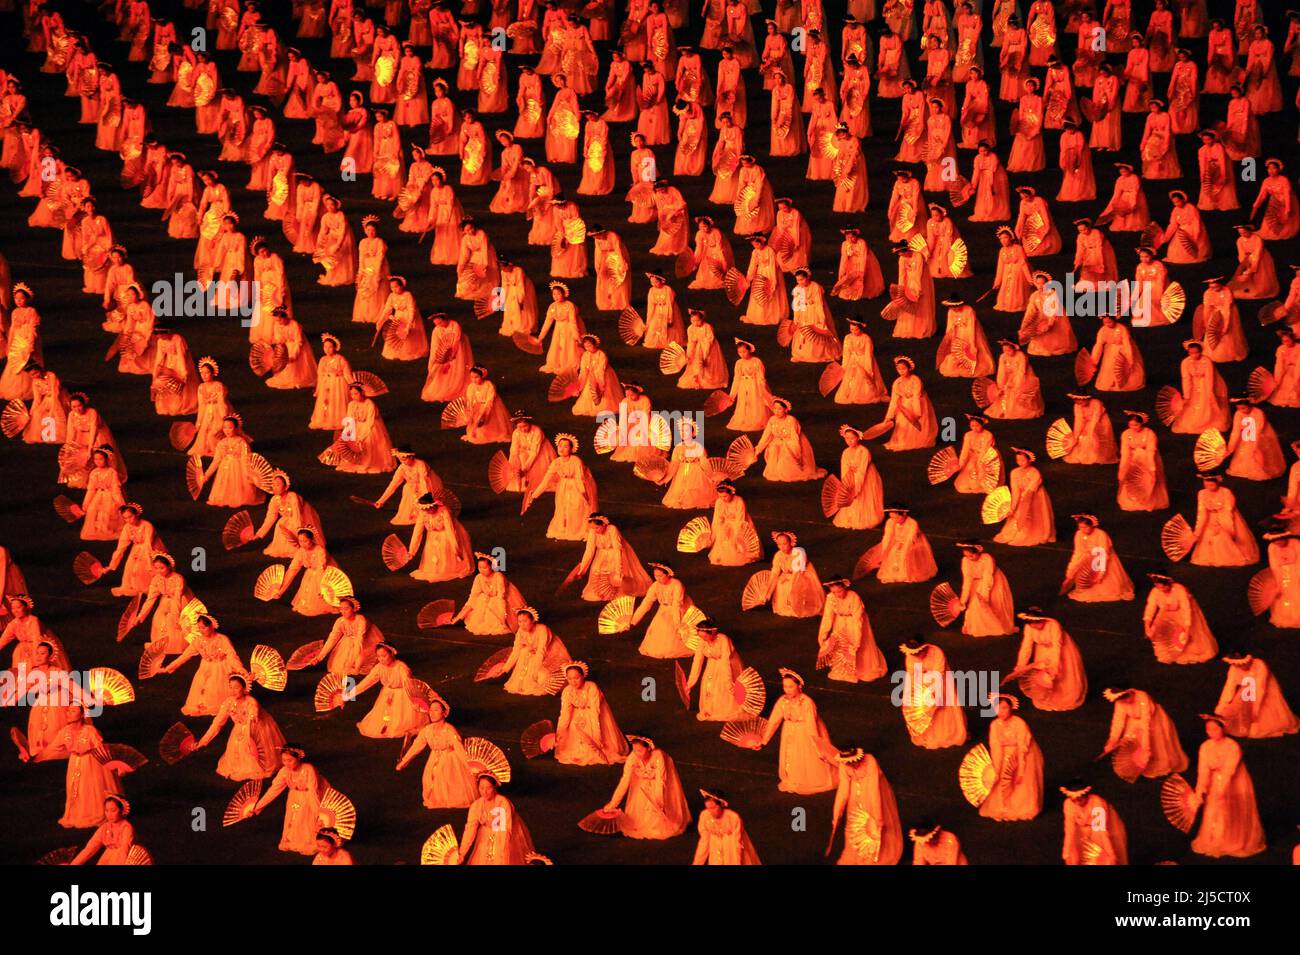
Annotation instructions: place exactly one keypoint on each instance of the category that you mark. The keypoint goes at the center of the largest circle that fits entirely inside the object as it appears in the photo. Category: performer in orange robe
(655, 805)
(1094, 832)
(1049, 665)
(1142, 740)
(1229, 817)
(1174, 623)
(1251, 703)
(807, 756)
(1017, 792)
(863, 789)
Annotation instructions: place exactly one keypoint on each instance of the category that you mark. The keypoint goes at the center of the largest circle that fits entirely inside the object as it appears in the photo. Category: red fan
(604, 822)
(436, 613)
(87, 568)
(14, 418)
(736, 285)
(182, 434)
(394, 553)
(329, 693)
(304, 656)
(868, 563)
(121, 759)
(493, 667)
(834, 496)
(151, 661)
(717, 403)
(945, 605)
(126, 623)
(194, 476)
(529, 344)
(563, 387)
(538, 739)
(1085, 366)
(876, 430)
(177, 743)
(239, 530)
(66, 508)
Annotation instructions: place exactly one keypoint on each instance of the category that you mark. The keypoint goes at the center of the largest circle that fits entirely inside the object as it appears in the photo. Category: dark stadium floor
(551, 798)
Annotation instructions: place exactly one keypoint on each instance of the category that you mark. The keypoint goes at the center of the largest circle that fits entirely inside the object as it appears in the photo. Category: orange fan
(441, 848)
(741, 454)
(486, 757)
(493, 667)
(71, 466)
(538, 739)
(1060, 439)
(683, 265)
(1085, 366)
(1176, 537)
(717, 403)
(241, 805)
(1262, 591)
(604, 822)
(830, 379)
(868, 563)
(997, 505)
(1179, 802)
(304, 656)
(749, 692)
(1210, 450)
(87, 568)
(334, 586)
(1169, 639)
(747, 734)
(268, 582)
(340, 452)
(616, 616)
(631, 326)
(943, 465)
(182, 435)
(166, 383)
(695, 536)
(329, 693)
(69, 510)
(110, 686)
(785, 332)
(177, 743)
(394, 553)
(238, 531)
(261, 473)
(436, 613)
(976, 775)
(755, 592)
(268, 668)
(456, 414)
(834, 496)
(194, 476)
(1173, 302)
(151, 661)
(14, 418)
(650, 466)
(138, 855)
(337, 812)
(672, 359)
(945, 605)
(563, 387)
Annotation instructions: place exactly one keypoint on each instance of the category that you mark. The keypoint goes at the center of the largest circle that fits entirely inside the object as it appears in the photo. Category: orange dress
(723, 841)
(394, 714)
(1141, 472)
(1096, 569)
(1223, 538)
(787, 452)
(1176, 618)
(586, 733)
(1054, 678)
(447, 781)
(1017, 793)
(656, 804)
(804, 765)
(253, 749)
(495, 834)
(905, 554)
(846, 639)
(1230, 823)
(1143, 739)
(863, 788)
(1252, 703)
(986, 595)
(1094, 833)
(1031, 520)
